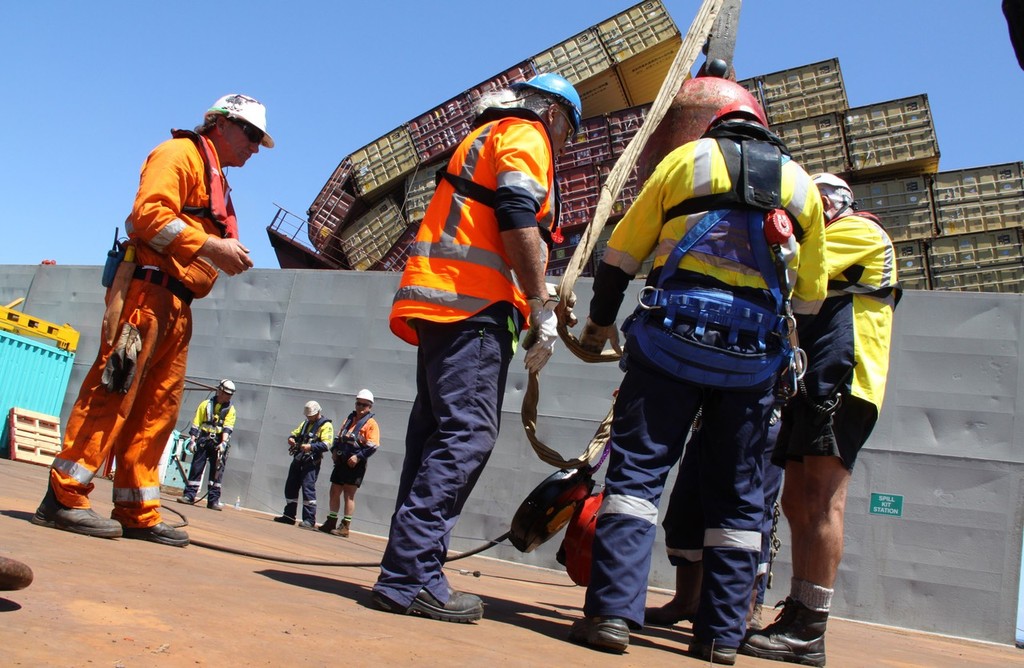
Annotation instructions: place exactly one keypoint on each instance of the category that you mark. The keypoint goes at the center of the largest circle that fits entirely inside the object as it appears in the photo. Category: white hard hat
(826, 179)
(365, 395)
(226, 386)
(312, 408)
(245, 108)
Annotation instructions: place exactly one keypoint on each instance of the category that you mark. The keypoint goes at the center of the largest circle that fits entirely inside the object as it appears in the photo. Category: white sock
(814, 597)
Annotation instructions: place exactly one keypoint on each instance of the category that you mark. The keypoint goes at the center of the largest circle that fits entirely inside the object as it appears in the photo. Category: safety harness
(220, 209)
(307, 433)
(472, 190)
(719, 337)
(345, 443)
(214, 422)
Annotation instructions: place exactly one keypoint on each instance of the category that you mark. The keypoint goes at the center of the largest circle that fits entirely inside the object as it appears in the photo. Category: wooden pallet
(35, 437)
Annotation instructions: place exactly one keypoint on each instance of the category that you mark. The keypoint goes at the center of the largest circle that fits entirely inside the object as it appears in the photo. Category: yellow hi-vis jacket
(861, 262)
(458, 266)
(698, 169)
(214, 419)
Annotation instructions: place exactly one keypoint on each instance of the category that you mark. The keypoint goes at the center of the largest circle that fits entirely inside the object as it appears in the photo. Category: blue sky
(89, 88)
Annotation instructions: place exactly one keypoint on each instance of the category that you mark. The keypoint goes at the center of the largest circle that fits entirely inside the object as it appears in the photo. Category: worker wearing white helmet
(209, 437)
(307, 445)
(827, 423)
(182, 232)
(357, 440)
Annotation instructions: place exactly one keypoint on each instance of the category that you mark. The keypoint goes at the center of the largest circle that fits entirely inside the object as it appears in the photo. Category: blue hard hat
(559, 86)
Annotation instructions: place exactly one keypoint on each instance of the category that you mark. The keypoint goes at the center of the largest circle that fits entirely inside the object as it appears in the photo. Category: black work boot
(51, 513)
(461, 607)
(796, 636)
(162, 533)
(712, 653)
(329, 525)
(683, 605)
(610, 634)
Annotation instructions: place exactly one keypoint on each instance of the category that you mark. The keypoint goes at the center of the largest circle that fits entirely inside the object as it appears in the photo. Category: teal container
(34, 376)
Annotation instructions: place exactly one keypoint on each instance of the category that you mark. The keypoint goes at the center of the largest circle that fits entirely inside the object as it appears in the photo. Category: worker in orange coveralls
(181, 230)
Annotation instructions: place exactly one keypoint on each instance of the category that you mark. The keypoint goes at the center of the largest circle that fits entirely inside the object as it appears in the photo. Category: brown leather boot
(754, 622)
(342, 529)
(683, 605)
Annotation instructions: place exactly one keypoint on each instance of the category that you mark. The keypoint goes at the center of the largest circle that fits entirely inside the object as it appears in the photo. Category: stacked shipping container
(955, 230)
(366, 214)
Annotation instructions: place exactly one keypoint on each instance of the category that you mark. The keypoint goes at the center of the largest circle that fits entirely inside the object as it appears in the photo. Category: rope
(678, 72)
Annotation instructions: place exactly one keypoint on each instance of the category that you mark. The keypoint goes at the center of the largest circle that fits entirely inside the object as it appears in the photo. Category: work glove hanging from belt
(119, 371)
(539, 341)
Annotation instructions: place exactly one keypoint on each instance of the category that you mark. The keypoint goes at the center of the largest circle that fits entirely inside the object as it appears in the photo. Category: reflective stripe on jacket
(458, 266)
(174, 178)
(698, 169)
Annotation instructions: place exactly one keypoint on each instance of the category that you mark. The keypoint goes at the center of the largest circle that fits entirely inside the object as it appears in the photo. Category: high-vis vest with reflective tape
(458, 266)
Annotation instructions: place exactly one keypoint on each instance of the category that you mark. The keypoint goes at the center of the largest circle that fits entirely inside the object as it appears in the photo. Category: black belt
(157, 277)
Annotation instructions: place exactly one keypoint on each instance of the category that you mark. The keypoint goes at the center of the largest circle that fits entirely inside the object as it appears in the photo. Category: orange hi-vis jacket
(458, 266)
(173, 180)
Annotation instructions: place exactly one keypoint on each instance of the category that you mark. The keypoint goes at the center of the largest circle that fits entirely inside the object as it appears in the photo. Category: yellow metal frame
(17, 322)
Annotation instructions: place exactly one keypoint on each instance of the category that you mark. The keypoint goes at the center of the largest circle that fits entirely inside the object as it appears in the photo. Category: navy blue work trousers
(651, 421)
(684, 517)
(302, 475)
(206, 452)
(460, 383)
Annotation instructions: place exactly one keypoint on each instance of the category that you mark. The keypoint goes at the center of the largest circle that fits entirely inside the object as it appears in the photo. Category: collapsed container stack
(366, 215)
(954, 230)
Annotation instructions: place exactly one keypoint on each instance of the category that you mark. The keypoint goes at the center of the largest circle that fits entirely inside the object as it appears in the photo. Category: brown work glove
(119, 371)
(594, 337)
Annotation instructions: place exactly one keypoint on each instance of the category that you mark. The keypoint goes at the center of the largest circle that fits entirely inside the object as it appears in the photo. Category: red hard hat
(577, 547)
(700, 103)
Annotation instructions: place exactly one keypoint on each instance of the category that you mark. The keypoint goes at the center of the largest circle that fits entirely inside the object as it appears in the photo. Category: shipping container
(35, 377)
(381, 163)
(397, 256)
(419, 189)
(816, 143)
(992, 278)
(753, 86)
(904, 205)
(577, 59)
(589, 146)
(630, 189)
(892, 137)
(802, 92)
(643, 74)
(911, 261)
(979, 199)
(602, 93)
(623, 124)
(368, 239)
(444, 126)
(635, 30)
(579, 190)
(974, 250)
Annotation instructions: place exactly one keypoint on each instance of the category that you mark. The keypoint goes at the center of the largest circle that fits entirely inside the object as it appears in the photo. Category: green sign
(887, 504)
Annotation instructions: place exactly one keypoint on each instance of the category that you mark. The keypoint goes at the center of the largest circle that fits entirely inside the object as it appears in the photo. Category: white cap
(245, 108)
(365, 395)
(826, 179)
(312, 408)
(226, 386)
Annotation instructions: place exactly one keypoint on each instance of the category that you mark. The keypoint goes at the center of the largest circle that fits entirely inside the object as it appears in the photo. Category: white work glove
(191, 446)
(594, 337)
(221, 447)
(539, 341)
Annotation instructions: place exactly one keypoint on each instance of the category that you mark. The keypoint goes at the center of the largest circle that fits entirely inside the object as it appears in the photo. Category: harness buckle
(648, 292)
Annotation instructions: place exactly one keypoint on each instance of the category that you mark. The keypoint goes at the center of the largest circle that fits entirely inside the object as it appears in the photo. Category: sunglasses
(363, 404)
(251, 132)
